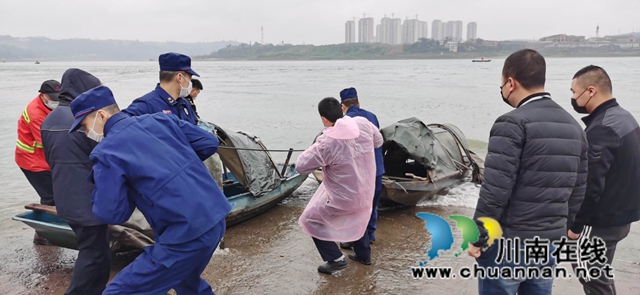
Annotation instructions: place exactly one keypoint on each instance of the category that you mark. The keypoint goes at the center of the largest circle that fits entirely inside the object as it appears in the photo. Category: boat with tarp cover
(251, 180)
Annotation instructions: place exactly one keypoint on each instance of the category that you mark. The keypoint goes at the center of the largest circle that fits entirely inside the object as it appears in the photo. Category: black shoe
(346, 246)
(331, 266)
(356, 258)
(371, 241)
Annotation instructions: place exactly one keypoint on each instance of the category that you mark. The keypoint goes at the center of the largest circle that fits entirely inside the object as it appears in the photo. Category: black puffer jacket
(68, 153)
(535, 170)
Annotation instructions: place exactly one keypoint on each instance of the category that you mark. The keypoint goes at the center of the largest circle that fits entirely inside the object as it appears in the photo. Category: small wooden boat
(252, 182)
(481, 60)
(37, 62)
(422, 160)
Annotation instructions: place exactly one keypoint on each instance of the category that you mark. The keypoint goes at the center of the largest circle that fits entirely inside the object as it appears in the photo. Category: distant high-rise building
(453, 31)
(457, 31)
(448, 30)
(472, 31)
(384, 31)
(437, 30)
(350, 32)
(365, 30)
(423, 30)
(413, 30)
(395, 31)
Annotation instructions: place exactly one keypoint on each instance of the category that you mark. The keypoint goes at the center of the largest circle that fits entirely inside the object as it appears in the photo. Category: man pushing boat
(154, 162)
(340, 209)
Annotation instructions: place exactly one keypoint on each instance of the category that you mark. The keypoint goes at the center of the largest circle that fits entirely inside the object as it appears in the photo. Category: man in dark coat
(612, 198)
(535, 174)
(68, 156)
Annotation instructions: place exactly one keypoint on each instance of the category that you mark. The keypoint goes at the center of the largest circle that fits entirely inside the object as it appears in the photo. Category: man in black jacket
(612, 198)
(195, 90)
(535, 173)
(68, 156)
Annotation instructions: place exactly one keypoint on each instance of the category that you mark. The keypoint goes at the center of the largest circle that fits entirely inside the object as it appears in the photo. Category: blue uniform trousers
(371, 228)
(147, 276)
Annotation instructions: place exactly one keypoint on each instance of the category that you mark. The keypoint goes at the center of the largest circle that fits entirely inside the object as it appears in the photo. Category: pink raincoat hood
(340, 209)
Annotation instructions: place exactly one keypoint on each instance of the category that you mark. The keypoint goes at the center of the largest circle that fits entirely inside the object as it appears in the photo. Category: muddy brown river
(270, 255)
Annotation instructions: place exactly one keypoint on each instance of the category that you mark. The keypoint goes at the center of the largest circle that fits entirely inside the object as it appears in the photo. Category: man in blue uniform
(154, 162)
(169, 95)
(351, 108)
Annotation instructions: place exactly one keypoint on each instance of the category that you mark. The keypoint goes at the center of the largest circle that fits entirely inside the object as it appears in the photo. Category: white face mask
(185, 91)
(94, 135)
(52, 104)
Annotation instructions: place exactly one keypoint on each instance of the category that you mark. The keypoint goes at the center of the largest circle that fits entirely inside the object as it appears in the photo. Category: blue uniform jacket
(356, 111)
(158, 101)
(154, 162)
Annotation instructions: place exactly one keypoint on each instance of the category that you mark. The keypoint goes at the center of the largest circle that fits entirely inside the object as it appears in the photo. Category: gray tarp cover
(415, 139)
(431, 147)
(253, 169)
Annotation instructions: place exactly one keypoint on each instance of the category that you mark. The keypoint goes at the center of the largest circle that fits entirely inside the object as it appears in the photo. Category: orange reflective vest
(29, 151)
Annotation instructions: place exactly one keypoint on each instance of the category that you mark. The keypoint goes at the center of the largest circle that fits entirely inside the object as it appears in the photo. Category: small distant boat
(481, 60)
(37, 62)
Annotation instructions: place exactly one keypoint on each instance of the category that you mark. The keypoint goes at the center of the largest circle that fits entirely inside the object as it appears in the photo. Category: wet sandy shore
(270, 255)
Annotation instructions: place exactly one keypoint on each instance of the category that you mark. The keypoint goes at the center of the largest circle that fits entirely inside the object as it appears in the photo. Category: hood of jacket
(75, 82)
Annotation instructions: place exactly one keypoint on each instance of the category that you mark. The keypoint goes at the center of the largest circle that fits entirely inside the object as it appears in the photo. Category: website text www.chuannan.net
(477, 272)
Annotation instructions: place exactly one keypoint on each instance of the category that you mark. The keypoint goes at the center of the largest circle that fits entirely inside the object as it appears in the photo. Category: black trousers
(330, 251)
(42, 183)
(611, 236)
(93, 266)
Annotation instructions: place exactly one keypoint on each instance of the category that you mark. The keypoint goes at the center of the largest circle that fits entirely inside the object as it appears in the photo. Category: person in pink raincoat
(340, 209)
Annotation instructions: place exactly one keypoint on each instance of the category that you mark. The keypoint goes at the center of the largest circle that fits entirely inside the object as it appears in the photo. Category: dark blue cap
(348, 93)
(89, 102)
(175, 62)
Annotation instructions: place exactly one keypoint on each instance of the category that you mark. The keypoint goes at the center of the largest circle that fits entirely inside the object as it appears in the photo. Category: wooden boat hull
(486, 60)
(244, 207)
(412, 192)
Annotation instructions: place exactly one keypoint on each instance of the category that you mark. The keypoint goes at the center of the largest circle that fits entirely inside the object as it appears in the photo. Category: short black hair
(167, 76)
(330, 108)
(195, 83)
(527, 67)
(594, 76)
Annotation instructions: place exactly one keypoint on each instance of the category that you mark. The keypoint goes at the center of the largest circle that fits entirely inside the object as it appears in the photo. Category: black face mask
(505, 99)
(576, 107)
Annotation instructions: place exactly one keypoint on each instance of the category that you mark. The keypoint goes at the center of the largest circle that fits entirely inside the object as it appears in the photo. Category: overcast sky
(298, 21)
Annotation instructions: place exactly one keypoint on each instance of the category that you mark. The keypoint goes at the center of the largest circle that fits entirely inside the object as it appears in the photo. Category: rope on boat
(258, 150)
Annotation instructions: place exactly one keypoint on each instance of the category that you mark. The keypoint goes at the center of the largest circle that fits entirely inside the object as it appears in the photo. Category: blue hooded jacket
(154, 162)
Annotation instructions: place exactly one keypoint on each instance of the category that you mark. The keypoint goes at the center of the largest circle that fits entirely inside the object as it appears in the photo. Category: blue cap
(348, 93)
(89, 102)
(175, 62)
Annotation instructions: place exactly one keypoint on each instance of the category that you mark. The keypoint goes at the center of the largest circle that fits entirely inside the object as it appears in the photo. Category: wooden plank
(42, 208)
